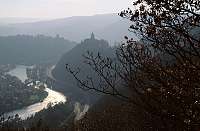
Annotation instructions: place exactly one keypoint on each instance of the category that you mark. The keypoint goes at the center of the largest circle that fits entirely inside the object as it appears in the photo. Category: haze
(59, 8)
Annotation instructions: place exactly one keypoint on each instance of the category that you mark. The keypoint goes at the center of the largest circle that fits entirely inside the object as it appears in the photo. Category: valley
(99, 65)
(47, 86)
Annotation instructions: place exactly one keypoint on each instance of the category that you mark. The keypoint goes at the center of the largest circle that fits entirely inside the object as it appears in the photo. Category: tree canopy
(161, 71)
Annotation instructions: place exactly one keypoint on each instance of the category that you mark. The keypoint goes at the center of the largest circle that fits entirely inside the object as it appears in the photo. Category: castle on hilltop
(92, 36)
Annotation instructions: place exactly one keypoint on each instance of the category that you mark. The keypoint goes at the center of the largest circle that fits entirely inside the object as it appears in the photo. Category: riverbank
(34, 99)
(14, 94)
(52, 99)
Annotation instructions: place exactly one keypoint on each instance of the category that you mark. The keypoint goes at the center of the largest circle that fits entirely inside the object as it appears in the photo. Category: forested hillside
(24, 49)
(75, 57)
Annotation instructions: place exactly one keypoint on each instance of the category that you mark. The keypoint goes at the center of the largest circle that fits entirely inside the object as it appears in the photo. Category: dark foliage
(161, 72)
(52, 117)
(75, 57)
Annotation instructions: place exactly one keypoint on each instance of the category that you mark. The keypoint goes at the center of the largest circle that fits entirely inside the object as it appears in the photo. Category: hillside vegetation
(24, 49)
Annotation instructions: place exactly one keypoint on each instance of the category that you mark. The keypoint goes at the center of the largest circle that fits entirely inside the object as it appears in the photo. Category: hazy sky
(60, 8)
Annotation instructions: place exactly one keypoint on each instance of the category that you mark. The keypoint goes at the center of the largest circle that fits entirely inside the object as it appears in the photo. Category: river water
(53, 97)
(20, 72)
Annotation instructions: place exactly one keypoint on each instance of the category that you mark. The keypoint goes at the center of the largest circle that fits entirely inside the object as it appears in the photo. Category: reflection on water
(20, 72)
(53, 97)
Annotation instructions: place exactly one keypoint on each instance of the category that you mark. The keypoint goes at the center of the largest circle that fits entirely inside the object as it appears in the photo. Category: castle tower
(92, 36)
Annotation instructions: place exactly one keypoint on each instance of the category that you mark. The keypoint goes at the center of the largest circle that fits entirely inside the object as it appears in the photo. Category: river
(53, 97)
(20, 72)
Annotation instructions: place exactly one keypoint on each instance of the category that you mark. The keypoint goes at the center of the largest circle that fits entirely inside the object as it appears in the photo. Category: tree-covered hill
(24, 49)
(76, 59)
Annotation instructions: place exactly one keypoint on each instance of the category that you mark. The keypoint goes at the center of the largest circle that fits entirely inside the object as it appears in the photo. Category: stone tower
(92, 36)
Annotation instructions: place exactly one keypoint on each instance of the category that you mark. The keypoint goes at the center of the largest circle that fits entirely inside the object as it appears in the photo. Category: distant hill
(110, 27)
(75, 59)
(24, 49)
(14, 20)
